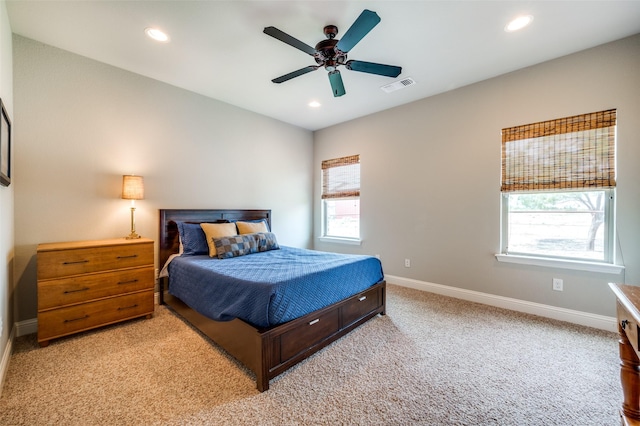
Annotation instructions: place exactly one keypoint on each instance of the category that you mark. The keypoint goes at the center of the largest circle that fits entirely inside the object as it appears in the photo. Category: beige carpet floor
(431, 360)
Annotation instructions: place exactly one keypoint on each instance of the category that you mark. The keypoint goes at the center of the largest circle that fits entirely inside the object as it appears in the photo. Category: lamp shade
(132, 187)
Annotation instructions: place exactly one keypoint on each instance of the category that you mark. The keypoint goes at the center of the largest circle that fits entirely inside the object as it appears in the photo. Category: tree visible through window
(558, 180)
(560, 224)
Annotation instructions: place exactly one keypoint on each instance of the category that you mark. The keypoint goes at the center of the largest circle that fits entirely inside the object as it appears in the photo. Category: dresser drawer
(81, 288)
(629, 325)
(63, 321)
(76, 261)
(358, 306)
(299, 339)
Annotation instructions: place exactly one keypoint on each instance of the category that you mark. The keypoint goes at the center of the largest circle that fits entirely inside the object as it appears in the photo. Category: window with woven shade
(341, 197)
(557, 183)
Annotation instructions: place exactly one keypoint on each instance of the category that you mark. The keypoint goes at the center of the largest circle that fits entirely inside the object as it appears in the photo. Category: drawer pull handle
(624, 323)
(127, 257)
(122, 308)
(314, 321)
(75, 291)
(362, 299)
(76, 319)
(75, 262)
(127, 282)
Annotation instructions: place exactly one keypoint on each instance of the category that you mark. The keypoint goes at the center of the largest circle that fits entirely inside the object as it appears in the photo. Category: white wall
(6, 193)
(431, 176)
(83, 124)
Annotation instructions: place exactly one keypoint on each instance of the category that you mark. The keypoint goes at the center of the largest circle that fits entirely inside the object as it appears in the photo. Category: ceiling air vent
(400, 84)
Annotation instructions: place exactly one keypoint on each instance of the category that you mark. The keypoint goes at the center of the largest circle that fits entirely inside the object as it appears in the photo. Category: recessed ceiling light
(314, 104)
(518, 23)
(157, 34)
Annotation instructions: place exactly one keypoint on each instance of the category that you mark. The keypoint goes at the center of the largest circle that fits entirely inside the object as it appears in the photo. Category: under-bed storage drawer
(63, 321)
(360, 305)
(298, 339)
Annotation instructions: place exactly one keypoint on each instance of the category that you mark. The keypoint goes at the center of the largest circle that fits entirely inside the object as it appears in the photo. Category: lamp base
(133, 235)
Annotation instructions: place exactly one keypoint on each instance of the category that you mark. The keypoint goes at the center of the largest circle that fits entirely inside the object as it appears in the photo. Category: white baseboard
(25, 327)
(577, 317)
(6, 356)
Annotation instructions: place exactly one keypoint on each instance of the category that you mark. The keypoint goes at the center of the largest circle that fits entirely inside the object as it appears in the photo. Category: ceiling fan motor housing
(327, 54)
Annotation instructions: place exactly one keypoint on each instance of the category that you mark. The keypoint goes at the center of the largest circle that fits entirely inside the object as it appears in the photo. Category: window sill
(338, 240)
(606, 268)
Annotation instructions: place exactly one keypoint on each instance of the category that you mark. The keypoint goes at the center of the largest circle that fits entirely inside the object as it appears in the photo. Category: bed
(267, 344)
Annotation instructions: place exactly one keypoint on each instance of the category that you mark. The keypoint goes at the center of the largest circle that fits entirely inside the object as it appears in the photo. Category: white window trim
(341, 240)
(336, 238)
(606, 268)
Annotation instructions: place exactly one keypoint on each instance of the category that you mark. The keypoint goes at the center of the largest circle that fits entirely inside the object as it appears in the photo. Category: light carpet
(432, 360)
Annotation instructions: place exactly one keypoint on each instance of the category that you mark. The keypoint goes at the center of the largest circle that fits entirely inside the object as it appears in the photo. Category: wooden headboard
(169, 241)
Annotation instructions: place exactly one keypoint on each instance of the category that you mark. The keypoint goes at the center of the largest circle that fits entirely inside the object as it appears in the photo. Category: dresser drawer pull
(127, 257)
(76, 319)
(123, 308)
(128, 282)
(75, 291)
(362, 299)
(75, 262)
(314, 321)
(624, 323)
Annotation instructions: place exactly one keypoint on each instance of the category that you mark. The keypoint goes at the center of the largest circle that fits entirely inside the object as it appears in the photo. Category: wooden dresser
(88, 284)
(628, 313)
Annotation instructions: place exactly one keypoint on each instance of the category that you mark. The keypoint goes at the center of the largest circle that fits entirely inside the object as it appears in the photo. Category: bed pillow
(266, 241)
(217, 230)
(193, 241)
(252, 227)
(240, 245)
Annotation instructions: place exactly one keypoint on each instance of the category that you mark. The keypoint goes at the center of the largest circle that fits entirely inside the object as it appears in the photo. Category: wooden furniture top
(629, 296)
(71, 245)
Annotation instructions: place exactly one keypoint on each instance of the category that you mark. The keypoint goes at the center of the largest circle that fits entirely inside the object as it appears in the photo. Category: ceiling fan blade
(373, 68)
(291, 41)
(337, 87)
(293, 74)
(360, 28)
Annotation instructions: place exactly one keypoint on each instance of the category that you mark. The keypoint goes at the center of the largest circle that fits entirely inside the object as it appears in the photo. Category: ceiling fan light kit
(332, 53)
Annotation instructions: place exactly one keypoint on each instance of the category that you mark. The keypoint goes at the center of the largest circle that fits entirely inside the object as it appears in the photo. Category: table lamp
(132, 189)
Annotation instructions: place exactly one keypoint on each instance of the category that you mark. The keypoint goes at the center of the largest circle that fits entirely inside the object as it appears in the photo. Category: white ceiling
(218, 49)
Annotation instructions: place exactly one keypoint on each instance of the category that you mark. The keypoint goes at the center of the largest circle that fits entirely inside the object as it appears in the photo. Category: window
(558, 188)
(341, 197)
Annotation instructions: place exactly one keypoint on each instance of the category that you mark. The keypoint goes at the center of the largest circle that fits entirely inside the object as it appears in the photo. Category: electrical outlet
(557, 284)
(407, 263)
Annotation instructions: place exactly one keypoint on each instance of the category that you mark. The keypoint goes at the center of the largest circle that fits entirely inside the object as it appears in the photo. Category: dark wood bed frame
(267, 352)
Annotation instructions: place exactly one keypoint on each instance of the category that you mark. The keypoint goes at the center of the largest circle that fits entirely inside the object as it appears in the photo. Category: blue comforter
(271, 287)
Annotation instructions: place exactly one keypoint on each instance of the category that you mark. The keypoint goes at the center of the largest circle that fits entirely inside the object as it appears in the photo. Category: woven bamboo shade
(568, 153)
(341, 177)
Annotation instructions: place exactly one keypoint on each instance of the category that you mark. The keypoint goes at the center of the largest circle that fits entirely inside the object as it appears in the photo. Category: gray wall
(6, 193)
(431, 176)
(430, 170)
(83, 124)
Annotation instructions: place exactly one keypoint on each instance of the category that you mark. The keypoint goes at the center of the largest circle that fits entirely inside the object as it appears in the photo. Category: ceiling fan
(331, 53)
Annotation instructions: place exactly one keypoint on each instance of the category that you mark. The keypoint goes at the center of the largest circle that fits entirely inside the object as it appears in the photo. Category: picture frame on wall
(5, 147)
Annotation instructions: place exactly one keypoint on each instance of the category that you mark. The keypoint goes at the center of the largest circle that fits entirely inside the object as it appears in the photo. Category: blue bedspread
(271, 287)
